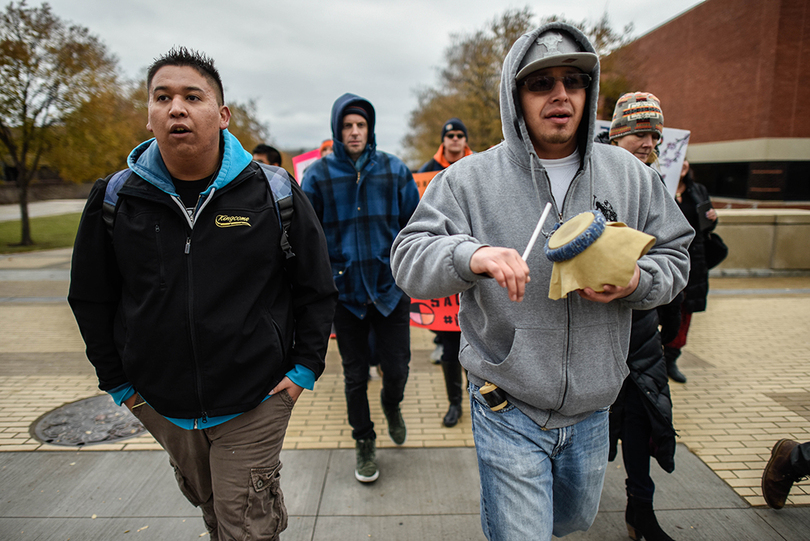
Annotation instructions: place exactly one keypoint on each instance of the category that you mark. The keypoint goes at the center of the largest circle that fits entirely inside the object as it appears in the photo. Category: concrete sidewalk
(748, 364)
(421, 494)
(42, 208)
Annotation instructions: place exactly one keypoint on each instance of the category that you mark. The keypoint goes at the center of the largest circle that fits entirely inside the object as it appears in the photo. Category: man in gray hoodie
(559, 364)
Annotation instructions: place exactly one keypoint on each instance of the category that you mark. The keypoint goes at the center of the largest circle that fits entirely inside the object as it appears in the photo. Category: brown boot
(778, 476)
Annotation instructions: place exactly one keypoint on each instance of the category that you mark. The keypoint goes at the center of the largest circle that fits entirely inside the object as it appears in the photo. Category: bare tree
(468, 87)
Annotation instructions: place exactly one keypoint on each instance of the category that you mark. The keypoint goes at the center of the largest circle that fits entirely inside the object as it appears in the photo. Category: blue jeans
(535, 482)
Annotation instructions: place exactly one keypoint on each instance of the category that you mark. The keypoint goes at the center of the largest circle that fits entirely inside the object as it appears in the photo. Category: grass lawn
(48, 232)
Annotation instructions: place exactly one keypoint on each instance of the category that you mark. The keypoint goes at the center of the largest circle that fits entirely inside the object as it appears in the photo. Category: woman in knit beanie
(641, 416)
(638, 125)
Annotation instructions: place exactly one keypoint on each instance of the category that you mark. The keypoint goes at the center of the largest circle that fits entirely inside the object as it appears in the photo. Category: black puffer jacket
(648, 372)
(698, 286)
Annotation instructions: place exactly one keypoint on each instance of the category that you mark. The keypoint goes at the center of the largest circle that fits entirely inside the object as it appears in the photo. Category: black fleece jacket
(202, 321)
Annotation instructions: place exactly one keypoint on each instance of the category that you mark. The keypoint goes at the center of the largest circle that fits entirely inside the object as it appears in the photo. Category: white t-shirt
(561, 172)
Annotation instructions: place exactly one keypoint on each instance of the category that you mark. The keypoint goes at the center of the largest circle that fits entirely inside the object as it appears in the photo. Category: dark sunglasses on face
(545, 83)
(455, 136)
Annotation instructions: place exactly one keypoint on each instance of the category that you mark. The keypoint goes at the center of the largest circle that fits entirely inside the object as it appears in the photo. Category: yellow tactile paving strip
(318, 420)
(747, 360)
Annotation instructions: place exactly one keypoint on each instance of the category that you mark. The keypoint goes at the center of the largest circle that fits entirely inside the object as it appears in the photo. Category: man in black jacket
(454, 147)
(192, 315)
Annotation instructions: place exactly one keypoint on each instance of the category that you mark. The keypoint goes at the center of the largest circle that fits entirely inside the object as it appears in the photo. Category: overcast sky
(295, 57)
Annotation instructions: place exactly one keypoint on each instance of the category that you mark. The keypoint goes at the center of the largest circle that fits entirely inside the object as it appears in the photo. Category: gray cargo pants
(230, 471)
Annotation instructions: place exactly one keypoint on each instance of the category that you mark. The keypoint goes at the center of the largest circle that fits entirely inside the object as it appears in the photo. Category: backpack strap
(277, 179)
(114, 183)
(279, 182)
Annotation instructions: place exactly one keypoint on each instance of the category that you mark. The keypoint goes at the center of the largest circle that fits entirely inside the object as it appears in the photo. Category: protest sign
(422, 180)
(302, 161)
(433, 314)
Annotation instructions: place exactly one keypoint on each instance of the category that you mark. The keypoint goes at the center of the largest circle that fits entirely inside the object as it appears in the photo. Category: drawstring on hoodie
(532, 155)
(537, 190)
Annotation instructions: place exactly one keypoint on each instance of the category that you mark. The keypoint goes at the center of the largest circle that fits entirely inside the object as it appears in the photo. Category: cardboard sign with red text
(435, 314)
(423, 179)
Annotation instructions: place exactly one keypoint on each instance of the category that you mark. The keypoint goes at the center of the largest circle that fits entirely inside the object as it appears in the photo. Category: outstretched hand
(504, 265)
(611, 292)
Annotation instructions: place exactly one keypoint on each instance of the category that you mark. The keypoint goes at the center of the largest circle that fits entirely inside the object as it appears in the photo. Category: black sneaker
(366, 470)
(396, 424)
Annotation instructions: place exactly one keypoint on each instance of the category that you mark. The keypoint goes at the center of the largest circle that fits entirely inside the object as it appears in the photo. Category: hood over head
(553, 44)
(339, 110)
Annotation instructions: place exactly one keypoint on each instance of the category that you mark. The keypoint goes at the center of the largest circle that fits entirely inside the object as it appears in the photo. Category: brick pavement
(748, 366)
(747, 361)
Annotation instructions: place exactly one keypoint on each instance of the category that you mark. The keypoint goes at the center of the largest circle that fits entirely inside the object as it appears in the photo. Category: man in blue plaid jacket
(363, 198)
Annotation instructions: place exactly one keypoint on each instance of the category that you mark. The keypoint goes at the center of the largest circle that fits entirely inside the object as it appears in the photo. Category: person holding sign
(552, 368)
(454, 147)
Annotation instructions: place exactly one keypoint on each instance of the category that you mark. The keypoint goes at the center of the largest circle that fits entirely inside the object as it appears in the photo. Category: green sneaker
(396, 424)
(366, 470)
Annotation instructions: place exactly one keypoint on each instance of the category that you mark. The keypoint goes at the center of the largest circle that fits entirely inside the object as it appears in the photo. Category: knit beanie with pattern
(637, 112)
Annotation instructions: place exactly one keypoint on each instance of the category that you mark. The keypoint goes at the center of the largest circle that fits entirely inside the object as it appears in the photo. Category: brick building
(736, 73)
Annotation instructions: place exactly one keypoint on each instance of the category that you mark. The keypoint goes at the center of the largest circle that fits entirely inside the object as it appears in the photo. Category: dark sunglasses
(455, 136)
(545, 83)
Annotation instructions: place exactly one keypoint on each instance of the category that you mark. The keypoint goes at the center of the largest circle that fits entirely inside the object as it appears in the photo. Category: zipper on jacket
(192, 334)
(205, 203)
(358, 177)
(190, 310)
(182, 209)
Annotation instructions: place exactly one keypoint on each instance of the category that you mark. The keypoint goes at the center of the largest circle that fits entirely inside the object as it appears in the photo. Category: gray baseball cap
(555, 47)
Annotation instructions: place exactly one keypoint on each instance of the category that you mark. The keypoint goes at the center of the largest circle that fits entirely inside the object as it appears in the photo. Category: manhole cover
(87, 421)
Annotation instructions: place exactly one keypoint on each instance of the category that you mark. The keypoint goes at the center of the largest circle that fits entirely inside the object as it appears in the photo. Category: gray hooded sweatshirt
(558, 361)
